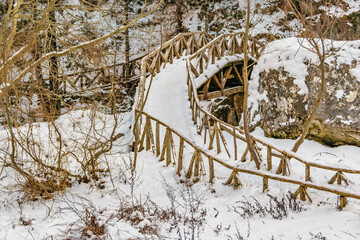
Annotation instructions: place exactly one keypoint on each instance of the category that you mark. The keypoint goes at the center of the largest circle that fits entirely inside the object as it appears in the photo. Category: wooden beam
(220, 93)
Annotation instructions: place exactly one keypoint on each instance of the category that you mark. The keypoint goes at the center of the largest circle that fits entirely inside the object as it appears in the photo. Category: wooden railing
(212, 128)
(90, 77)
(164, 148)
(226, 44)
(182, 44)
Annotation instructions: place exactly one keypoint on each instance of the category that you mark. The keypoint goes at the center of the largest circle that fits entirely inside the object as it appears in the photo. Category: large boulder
(285, 84)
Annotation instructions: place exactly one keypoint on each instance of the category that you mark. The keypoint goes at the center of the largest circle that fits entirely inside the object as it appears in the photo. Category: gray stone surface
(338, 117)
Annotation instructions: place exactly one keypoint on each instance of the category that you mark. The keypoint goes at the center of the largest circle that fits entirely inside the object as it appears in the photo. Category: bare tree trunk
(179, 15)
(127, 43)
(246, 89)
(321, 55)
(53, 102)
(207, 17)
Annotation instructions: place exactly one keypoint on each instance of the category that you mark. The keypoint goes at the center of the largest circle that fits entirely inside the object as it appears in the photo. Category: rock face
(288, 102)
(228, 108)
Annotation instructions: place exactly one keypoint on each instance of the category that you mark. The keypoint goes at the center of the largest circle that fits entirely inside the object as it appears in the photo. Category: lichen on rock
(283, 113)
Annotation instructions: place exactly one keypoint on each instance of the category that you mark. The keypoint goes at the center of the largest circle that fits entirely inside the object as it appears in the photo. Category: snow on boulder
(285, 84)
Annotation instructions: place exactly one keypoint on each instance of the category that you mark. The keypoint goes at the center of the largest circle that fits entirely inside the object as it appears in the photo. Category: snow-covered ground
(154, 203)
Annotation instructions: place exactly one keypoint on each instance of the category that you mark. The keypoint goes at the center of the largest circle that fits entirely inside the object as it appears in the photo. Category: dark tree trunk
(127, 42)
(53, 100)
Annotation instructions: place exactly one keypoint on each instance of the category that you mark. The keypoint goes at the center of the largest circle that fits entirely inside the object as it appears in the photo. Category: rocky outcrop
(228, 108)
(288, 98)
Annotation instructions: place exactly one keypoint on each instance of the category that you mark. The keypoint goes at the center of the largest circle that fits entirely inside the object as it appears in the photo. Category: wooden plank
(239, 75)
(157, 139)
(269, 160)
(307, 173)
(227, 73)
(180, 159)
(228, 91)
(235, 146)
(211, 169)
(265, 184)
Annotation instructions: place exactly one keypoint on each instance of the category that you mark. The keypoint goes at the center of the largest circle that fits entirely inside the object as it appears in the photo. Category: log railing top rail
(225, 44)
(168, 150)
(132, 61)
(204, 53)
(230, 128)
(189, 42)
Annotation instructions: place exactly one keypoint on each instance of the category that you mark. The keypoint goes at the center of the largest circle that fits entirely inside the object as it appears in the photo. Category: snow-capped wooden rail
(89, 77)
(164, 148)
(225, 44)
(203, 54)
(181, 44)
(202, 119)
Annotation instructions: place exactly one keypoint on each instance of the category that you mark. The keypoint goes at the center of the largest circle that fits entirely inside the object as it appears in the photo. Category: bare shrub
(276, 208)
(188, 203)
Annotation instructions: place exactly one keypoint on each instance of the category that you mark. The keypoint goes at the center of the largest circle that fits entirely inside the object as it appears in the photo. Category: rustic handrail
(197, 109)
(205, 53)
(182, 139)
(217, 48)
(230, 127)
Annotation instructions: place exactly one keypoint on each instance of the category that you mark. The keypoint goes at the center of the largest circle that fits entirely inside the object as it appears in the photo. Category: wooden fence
(87, 78)
(212, 128)
(182, 44)
(165, 149)
(226, 44)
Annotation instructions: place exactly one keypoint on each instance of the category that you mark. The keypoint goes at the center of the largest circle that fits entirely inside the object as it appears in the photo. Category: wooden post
(211, 170)
(265, 184)
(180, 159)
(283, 166)
(168, 147)
(269, 159)
(157, 139)
(217, 138)
(343, 202)
(198, 161)
(243, 158)
(235, 147)
(191, 165)
(303, 194)
(307, 173)
(234, 180)
(339, 177)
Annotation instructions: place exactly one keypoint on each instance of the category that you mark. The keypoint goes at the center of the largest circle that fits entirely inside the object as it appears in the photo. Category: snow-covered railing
(151, 140)
(214, 127)
(225, 44)
(181, 44)
(190, 43)
(91, 76)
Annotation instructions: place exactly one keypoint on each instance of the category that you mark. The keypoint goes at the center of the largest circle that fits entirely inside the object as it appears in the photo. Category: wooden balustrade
(225, 44)
(99, 75)
(202, 119)
(217, 49)
(202, 54)
(195, 169)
